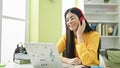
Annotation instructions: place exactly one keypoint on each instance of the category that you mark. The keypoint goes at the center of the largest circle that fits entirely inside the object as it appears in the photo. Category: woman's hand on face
(80, 30)
(74, 61)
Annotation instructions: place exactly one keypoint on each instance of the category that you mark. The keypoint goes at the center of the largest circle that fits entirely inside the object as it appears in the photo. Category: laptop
(43, 55)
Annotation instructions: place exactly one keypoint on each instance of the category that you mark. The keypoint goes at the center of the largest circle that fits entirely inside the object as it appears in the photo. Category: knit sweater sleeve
(87, 52)
(61, 44)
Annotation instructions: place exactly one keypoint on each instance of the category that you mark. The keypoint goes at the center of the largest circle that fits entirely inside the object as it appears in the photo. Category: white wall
(65, 5)
(0, 24)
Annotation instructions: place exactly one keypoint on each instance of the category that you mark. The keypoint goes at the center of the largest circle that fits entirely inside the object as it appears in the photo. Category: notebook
(43, 55)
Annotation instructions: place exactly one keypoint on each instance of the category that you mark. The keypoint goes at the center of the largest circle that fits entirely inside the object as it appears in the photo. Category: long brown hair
(69, 52)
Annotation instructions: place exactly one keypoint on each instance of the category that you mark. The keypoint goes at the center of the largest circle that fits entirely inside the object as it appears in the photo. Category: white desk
(14, 65)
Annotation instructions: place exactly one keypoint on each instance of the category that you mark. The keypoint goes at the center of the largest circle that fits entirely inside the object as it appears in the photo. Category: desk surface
(14, 65)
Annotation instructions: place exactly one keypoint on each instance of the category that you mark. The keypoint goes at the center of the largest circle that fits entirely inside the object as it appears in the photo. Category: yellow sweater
(87, 50)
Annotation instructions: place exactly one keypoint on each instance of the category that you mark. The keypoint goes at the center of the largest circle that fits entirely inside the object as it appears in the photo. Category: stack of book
(21, 58)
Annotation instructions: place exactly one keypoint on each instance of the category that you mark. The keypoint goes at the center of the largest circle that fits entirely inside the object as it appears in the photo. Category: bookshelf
(104, 17)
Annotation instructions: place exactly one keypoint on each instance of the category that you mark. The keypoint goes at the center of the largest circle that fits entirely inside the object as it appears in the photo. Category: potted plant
(89, 1)
(106, 1)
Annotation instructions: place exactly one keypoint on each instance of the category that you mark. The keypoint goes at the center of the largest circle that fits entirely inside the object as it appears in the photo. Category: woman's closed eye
(71, 18)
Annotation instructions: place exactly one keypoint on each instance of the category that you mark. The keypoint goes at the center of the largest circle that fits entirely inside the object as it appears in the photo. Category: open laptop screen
(43, 55)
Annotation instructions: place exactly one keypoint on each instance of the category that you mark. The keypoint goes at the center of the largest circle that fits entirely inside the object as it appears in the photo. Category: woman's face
(72, 21)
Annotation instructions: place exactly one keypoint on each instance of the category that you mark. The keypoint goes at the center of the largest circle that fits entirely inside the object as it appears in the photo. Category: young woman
(80, 43)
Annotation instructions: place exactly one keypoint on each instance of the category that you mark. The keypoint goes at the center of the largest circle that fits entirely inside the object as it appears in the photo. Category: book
(20, 61)
(21, 58)
(115, 30)
(93, 26)
(99, 29)
(103, 30)
(106, 29)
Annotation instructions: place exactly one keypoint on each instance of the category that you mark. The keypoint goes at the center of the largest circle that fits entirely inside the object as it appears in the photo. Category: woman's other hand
(74, 61)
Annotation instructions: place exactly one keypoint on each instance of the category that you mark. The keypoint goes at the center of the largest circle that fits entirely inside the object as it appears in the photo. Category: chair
(112, 57)
(100, 57)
